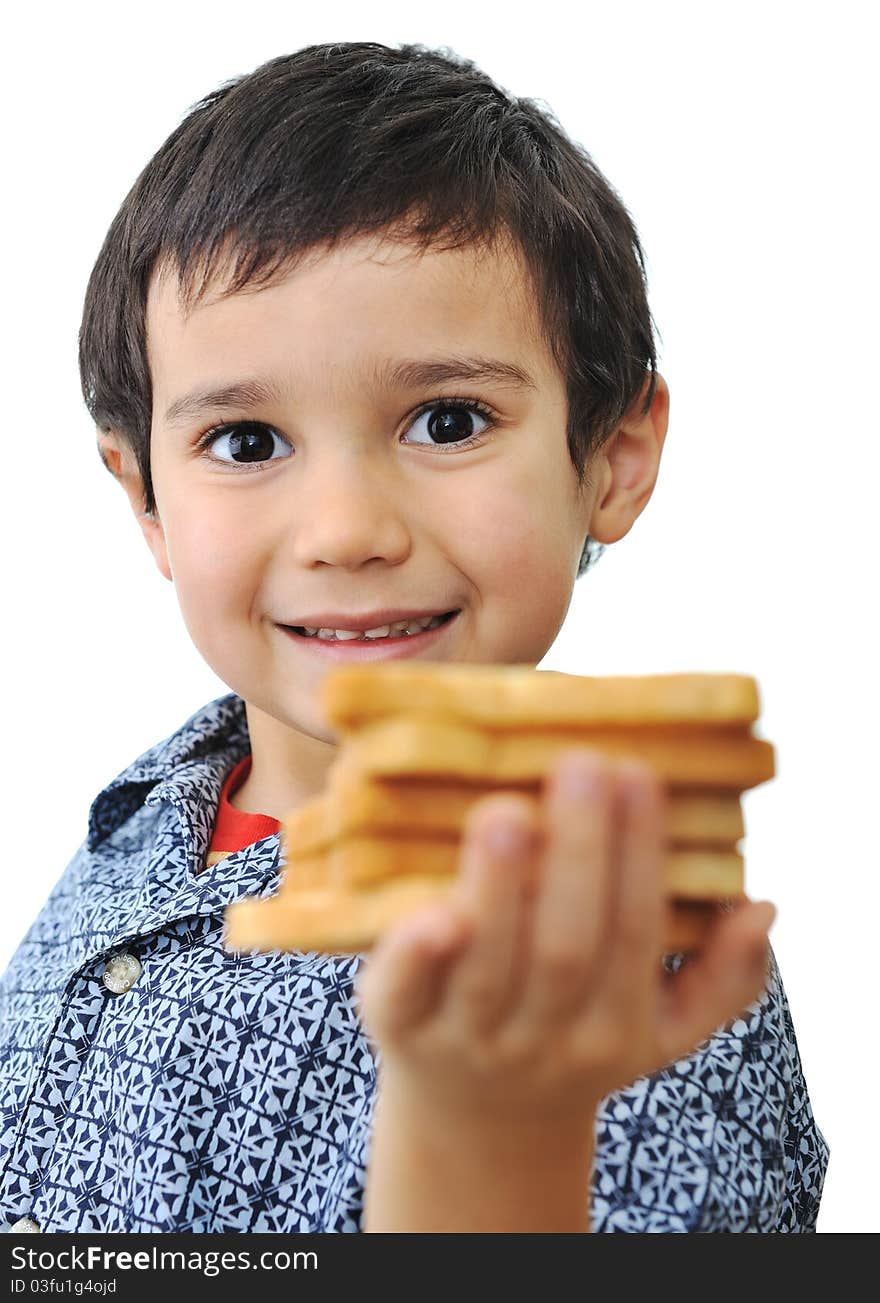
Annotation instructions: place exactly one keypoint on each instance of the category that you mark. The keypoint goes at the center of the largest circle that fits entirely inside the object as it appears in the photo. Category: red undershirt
(235, 829)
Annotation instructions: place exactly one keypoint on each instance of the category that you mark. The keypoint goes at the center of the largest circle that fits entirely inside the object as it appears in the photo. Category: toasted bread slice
(342, 922)
(519, 696)
(362, 861)
(427, 747)
(354, 802)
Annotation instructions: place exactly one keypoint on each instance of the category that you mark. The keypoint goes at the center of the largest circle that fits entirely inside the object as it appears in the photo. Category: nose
(350, 513)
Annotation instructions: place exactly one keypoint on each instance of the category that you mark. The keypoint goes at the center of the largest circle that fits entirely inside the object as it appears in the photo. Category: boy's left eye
(454, 417)
(449, 420)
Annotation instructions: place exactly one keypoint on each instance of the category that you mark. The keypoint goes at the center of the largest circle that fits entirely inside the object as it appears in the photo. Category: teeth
(408, 627)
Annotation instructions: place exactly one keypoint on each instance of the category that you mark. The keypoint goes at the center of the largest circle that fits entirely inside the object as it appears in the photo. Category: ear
(625, 467)
(120, 461)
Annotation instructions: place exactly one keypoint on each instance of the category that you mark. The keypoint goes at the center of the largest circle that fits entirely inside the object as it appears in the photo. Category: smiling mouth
(394, 634)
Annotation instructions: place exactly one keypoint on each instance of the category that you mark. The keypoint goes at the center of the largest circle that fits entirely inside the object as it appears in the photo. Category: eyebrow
(410, 373)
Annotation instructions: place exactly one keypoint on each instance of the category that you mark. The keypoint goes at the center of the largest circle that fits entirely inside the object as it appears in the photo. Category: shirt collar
(216, 737)
(159, 875)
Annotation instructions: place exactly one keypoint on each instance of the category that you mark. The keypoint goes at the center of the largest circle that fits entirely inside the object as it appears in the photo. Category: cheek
(531, 592)
(213, 572)
(514, 541)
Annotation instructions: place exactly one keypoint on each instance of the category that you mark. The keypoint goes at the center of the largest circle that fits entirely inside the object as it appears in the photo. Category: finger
(570, 909)
(401, 983)
(721, 982)
(633, 972)
(497, 864)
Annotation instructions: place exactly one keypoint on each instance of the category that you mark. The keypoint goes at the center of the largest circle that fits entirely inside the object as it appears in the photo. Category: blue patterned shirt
(152, 1081)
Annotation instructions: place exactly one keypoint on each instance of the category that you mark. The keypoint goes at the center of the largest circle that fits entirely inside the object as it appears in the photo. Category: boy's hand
(538, 988)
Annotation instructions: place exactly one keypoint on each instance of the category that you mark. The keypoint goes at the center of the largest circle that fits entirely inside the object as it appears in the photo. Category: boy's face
(362, 500)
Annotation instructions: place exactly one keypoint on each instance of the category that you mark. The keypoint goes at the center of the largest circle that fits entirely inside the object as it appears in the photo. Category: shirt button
(26, 1225)
(121, 973)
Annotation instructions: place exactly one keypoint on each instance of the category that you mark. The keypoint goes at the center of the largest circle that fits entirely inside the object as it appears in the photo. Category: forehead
(337, 312)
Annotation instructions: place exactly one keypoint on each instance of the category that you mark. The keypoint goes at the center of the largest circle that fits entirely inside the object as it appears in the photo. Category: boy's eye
(451, 423)
(447, 425)
(247, 442)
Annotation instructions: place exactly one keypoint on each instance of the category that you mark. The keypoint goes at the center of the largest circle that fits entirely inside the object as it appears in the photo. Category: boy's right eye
(245, 437)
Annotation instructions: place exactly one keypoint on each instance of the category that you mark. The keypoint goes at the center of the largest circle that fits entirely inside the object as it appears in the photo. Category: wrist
(557, 1127)
(468, 1171)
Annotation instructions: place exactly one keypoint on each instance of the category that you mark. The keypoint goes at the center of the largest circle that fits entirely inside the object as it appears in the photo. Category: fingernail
(507, 839)
(580, 778)
(437, 932)
(640, 784)
(445, 934)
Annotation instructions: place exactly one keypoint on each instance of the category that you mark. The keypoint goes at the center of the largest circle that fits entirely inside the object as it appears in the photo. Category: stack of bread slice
(421, 742)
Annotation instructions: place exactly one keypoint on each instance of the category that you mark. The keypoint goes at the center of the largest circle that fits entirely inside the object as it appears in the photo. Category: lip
(383, 649)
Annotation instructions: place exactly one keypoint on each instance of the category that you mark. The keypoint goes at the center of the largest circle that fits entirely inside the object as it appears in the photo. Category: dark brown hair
(350, 138)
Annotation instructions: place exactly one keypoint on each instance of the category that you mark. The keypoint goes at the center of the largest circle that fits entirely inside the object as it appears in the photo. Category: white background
(744, 145)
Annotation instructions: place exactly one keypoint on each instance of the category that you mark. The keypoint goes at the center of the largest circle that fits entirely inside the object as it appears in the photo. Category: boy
(367, 343)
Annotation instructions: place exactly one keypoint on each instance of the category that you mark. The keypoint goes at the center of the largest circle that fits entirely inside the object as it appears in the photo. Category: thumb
(403, 982)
